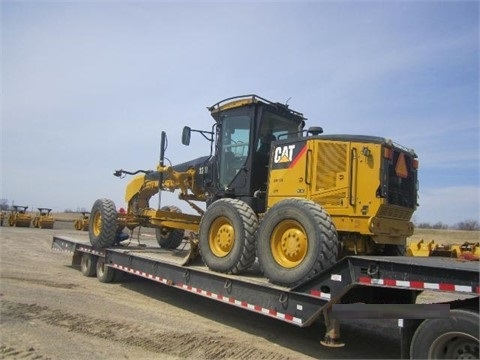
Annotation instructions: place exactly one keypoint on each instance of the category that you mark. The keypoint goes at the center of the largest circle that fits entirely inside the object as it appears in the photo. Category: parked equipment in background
(19, 217)
(43, 219)
(82, 223)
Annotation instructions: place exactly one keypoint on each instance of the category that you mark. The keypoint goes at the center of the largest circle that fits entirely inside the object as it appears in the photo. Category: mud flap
(407, 329)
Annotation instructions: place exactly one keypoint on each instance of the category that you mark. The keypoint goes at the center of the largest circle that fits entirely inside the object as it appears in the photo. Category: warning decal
(401, 167)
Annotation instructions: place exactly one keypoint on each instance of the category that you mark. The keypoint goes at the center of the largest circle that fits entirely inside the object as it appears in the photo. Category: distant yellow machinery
(19, 217)
(43, 219)
(2, 217)
(81, 224)
(467, 250)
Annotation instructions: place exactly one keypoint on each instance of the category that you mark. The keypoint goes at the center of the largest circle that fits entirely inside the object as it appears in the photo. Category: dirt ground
(50, 311)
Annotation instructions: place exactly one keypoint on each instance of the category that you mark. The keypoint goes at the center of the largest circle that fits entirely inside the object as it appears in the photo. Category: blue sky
(87, 87)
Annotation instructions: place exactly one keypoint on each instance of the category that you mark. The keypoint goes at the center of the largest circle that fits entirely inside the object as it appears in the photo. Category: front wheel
(455, 337)
(295, 241)
(103, 225)
(226, 236)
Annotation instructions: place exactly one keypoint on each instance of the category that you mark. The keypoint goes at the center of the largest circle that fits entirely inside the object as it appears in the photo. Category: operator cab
(246, 128)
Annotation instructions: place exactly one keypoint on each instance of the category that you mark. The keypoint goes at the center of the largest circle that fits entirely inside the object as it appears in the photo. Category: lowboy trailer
(348, 289)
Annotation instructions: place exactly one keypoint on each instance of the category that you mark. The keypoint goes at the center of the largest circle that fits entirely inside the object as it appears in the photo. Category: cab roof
(243, 100)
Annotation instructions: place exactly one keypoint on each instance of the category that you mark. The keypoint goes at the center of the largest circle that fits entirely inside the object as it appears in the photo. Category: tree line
(468, 225)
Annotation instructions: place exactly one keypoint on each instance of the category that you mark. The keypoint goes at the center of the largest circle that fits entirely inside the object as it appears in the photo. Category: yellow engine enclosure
(343, 177)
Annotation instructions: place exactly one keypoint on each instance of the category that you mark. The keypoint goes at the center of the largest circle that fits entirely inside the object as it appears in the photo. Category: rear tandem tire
(105, 274)
(455, 337)
(168, 238)
(296, 240)
(88, 265)
(103, 224)
(226, 236)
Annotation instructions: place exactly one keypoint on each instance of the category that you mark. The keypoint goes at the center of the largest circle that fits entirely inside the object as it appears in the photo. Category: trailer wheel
(88, 265)
(105, 274)
(226, 236)
(168, 238)
(103, 225)
(455, 337)
(295, 241)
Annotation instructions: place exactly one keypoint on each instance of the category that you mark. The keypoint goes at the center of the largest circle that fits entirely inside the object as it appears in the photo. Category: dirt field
(50, 311)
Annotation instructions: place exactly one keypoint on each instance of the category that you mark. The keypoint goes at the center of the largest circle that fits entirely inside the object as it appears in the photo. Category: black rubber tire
(103, 223)
(237, 234)
(308, 244)
(394, 250)
(456, 337)
(105, 274)
(168, 238)
(88, 265)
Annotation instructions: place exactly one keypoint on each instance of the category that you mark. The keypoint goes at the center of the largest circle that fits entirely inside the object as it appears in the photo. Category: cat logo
(283, 154)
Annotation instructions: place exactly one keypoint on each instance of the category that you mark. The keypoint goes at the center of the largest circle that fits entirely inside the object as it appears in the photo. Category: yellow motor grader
(19, 217)
(43, 219)
(81, 223)
(291, 197)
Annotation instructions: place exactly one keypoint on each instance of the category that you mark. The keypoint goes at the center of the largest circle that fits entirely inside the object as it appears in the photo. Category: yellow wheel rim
(289, 244)
(97, 224)
(221, 237)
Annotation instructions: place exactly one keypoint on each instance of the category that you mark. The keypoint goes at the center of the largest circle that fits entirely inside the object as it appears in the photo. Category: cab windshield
(235, 143)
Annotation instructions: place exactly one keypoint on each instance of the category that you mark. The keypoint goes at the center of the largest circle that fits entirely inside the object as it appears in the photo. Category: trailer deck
(300, 305)
(352, 280)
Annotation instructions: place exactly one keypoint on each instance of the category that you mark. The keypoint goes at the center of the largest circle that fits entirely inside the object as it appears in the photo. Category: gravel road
(50, 311)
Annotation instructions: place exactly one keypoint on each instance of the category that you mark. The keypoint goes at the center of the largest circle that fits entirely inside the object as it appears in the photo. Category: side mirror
(186, 135)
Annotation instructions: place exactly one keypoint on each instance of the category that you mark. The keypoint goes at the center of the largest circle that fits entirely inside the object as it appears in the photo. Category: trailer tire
(168, 238)
(105, 274)
(88, 265)
(455, 337)
(296, 240)
(103, 224)
(226, 236)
